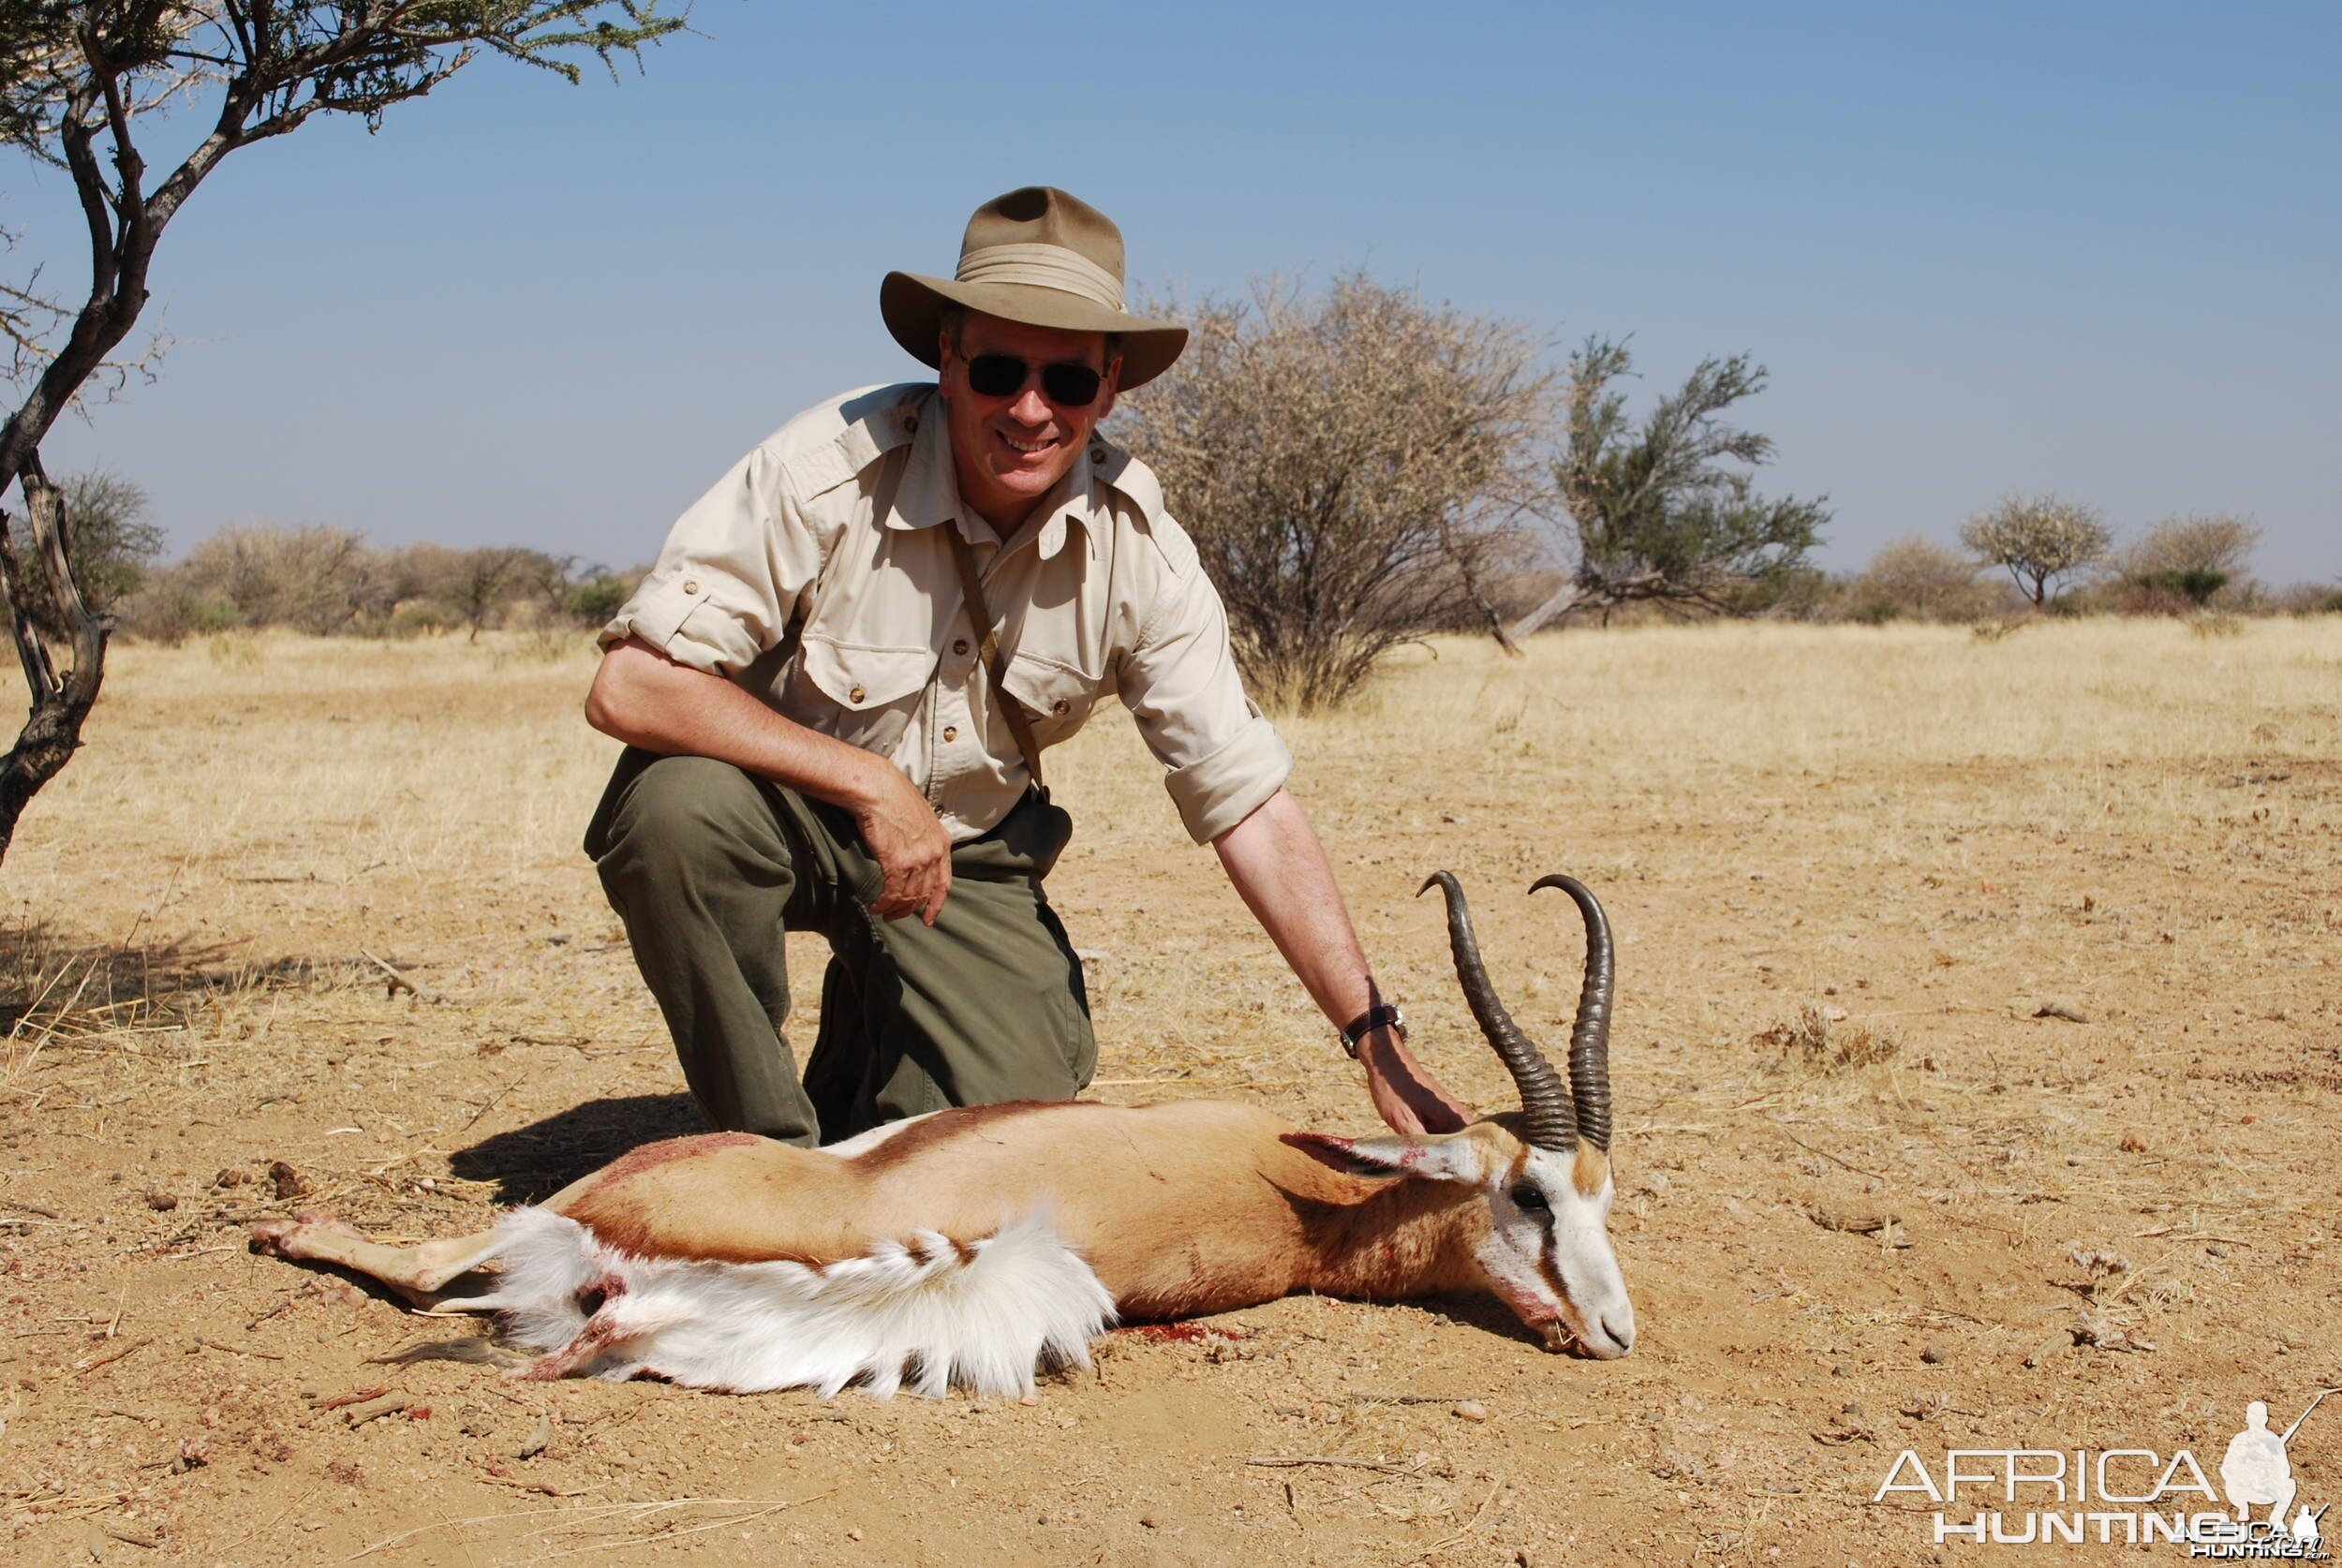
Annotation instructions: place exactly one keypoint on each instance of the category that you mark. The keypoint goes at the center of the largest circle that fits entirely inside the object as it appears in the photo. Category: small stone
(162, 1201)
(855, 1535)
(1471, 1410)
(1029, 1400)
(1932, 1356)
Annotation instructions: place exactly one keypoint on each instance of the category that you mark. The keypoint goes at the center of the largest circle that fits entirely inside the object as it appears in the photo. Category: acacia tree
(1652, 512)
(2038, 539)
(81, 81)
(1347, 465)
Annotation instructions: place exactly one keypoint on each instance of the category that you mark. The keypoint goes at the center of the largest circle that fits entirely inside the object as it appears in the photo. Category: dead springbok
(970, 1247)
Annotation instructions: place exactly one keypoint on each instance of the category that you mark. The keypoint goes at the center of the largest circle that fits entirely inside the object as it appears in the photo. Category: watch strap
(1381, 1015)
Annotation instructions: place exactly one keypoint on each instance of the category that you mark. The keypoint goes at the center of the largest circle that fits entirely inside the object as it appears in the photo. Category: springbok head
(1545, 1169)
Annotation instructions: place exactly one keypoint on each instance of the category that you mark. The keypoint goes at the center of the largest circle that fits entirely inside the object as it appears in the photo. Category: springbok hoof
(268, 1236)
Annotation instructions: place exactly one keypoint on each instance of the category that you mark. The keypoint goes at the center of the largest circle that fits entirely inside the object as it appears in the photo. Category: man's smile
(1026, 449)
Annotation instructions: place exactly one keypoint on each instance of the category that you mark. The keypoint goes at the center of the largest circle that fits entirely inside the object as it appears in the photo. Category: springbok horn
(1590, 1038)
(1543, 1096)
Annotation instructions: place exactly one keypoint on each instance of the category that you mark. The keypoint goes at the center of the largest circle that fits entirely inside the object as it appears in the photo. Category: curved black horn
(1544, 1098)
(1590, 1037)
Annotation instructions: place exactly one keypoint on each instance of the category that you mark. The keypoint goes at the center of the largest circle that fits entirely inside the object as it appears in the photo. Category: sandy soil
(2064, 904)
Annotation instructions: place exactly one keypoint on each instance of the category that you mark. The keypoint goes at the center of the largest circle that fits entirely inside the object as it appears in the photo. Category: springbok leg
(416, 1273)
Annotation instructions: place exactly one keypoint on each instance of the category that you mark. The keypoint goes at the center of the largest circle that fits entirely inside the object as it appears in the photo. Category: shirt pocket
(1057, 698)
(863, 696)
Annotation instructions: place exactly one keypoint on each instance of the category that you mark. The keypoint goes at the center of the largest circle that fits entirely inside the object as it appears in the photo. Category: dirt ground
(2061, 904)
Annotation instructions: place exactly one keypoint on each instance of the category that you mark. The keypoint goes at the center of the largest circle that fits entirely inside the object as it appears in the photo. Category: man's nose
(1030, 407)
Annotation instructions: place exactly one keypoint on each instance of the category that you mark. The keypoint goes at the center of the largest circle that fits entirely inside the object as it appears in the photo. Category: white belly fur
(920, 1312)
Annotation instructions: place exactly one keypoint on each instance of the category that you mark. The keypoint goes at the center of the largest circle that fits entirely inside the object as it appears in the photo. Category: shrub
(1343, 464)
(2193, 548)
(314, 577)
(1914, 579)
(2307, 599)
(169, 610)
(597, 597)
(417, 617)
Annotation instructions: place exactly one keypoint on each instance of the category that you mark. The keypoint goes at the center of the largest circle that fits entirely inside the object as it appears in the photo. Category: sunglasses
(1069, 386)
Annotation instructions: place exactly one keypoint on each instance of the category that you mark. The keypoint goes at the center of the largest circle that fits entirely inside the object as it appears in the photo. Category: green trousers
(708, 865)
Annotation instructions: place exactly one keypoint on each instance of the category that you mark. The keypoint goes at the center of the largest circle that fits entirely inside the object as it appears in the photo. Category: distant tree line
(315, 577)
(1362, 465)
(1357, 468)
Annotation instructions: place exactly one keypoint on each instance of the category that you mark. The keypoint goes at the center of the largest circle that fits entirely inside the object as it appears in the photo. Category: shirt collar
(928, 492)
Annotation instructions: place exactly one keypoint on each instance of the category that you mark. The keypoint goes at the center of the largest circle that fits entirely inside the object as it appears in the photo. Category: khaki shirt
(815, 575)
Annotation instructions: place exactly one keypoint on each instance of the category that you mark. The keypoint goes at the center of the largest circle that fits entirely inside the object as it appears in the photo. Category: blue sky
(1981, 248)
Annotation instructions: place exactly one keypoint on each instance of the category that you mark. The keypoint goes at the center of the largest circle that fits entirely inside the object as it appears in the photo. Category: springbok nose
(1612, 1335)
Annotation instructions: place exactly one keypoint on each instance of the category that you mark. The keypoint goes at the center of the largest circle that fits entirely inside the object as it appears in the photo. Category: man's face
(1009, 449)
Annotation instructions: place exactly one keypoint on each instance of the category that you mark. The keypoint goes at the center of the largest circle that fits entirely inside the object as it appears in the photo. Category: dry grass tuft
(1827, 1041)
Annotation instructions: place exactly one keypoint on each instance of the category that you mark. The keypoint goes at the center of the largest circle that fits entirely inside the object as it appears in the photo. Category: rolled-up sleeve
(732, 569)
(1180, 683)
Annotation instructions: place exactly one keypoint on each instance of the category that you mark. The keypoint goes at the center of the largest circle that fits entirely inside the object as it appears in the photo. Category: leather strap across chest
(1019, 722)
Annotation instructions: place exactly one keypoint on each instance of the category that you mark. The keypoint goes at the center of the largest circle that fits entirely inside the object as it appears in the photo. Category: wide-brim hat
(1042, 258)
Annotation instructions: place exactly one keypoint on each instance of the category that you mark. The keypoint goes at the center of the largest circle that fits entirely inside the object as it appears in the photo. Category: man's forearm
(644, 697)
(1280, 869)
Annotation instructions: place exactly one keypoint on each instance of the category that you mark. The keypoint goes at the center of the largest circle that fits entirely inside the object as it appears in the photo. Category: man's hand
(908, 840)
(1405, 1095)
(644, 698)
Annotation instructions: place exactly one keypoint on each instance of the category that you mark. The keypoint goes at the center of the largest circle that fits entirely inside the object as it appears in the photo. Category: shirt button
(1060, 706)
(912, 425)
(854, 696)
(690, 584)
(951, 732)
(960, 646)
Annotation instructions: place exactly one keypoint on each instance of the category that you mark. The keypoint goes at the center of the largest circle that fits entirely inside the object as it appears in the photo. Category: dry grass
(1964, 843)
(1823, 1040)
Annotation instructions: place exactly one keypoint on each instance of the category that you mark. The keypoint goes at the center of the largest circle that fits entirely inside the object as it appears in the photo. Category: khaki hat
(1042, 258)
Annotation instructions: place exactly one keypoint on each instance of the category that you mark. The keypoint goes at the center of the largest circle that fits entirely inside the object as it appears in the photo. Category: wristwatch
(1382, 1015)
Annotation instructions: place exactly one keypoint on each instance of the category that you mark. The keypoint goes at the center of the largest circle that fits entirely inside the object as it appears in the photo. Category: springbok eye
(1530, 1198)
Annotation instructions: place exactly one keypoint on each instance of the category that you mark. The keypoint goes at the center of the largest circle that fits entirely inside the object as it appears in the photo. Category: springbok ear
(1443, 1157)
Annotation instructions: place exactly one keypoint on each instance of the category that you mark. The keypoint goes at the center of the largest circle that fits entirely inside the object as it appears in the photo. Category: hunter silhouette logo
(2125, 1496)
(2258, 1472)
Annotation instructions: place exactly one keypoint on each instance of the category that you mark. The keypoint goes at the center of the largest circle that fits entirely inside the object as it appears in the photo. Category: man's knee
(677, 817)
